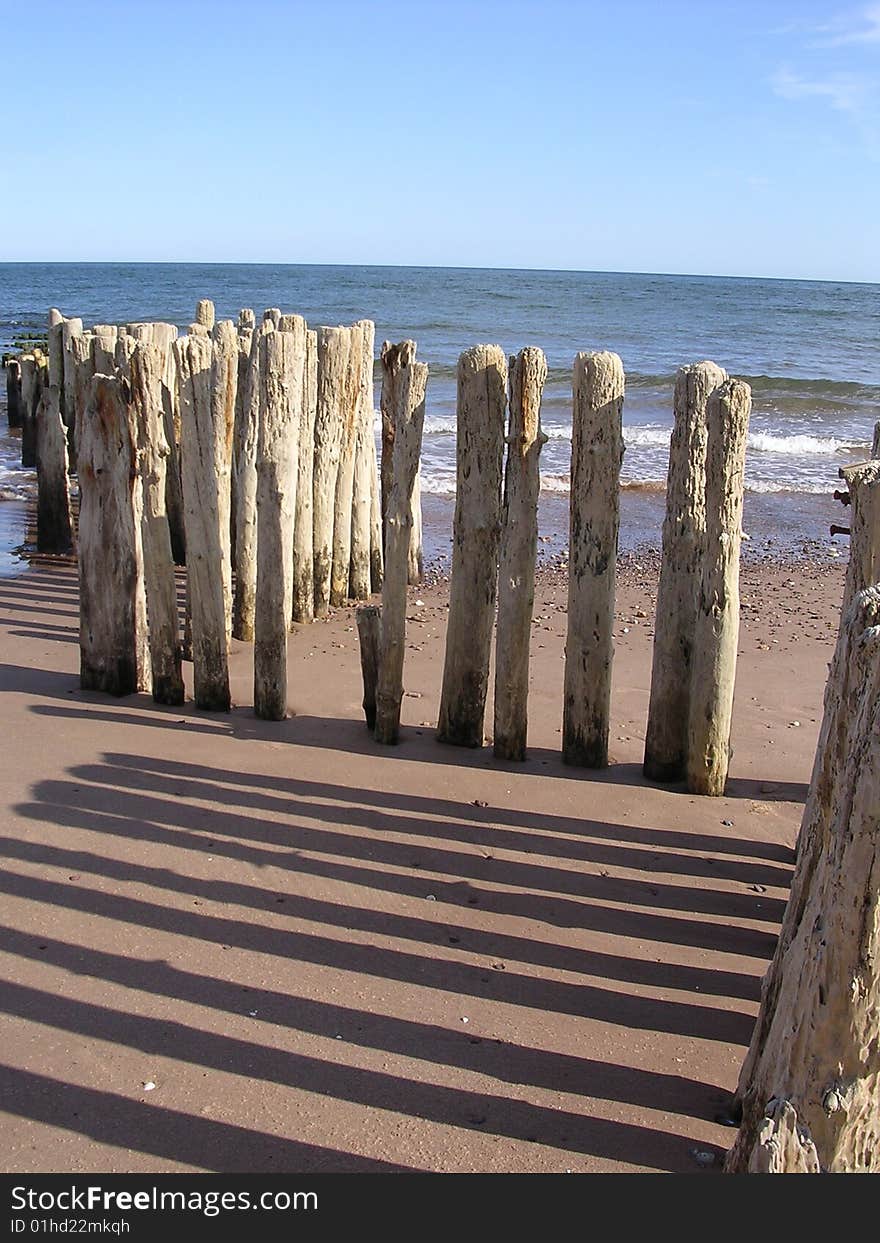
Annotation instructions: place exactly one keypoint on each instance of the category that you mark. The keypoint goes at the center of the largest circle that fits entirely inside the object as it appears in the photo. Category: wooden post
(875, 444)
(684, 541)
(482, 400)
(334, 352)
(594, 505)
(519, 544)
(409, 419)
(303, 545)
(247, 320)
(376, 561)
(810, 1094)
(108, 567)
(340, 573)
(54, 519)
(282, 364)
(13, 392)
(54, 317)
(862, 573)
(205, 313)
(394, 358)
(369, 627)
(203, 465)
(362, 481)
(104, 352)
(245, 343)
(272, 315)
(245, 458)
(147, 377)
(224, 383)
(55, 348)
(863, 570)
(78, 362)
(31, 388)
(71, 330)
(716, 633)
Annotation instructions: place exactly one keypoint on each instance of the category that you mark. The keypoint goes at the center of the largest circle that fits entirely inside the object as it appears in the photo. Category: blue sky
(676, 136)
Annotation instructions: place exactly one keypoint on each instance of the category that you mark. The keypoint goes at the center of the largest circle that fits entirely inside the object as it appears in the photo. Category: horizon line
(439, 267)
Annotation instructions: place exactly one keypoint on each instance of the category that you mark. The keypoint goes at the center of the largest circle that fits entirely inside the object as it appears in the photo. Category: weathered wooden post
(78, 361)
(394, 357)
(54, 316)
(334, 353)
(203, 466)
(340, 572)
(13, 392)
(147, 377)
(303, 537)
(224, 383)
(362, 481)
(409, 419)
(716, 632)
(103, 345)
(31, 388)
(71, 330)
(54, 518)
(863, 570)
(831, 750)
(205, 314)
(376, 558)
(282, 363)
(482, 401)
(519, 544)
(55, 355)
(875, 444)
(108, 565)
(684, 541)
(245, 459)
(810, 1089)
(594, 505)
(272, 315)
(247, 320)
(369, 627)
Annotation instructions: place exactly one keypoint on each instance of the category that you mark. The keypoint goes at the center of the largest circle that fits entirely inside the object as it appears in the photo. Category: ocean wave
(801, 445)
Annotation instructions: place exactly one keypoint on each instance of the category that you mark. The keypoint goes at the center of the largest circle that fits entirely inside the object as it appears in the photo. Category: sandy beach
(232, 945)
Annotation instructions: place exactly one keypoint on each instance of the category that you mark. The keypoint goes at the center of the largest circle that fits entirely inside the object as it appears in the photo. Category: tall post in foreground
(684, 541)
(54, 519)
(811, 1099)
(147, 370)
(596, 456)
(814, 836)
(519, 543)
(362, 481)
(394, 359)
(108, 569)
(283, 356)
(303, 535)
(202, 451)
(334, 351)
(409, 419)
(482, 401)
(716, 633)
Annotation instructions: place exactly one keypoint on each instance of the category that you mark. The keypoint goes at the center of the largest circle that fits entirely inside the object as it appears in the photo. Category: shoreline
(782, 529)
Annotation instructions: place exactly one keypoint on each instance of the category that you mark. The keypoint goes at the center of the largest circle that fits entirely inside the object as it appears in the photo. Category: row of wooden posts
(495, 536)
(249, 454)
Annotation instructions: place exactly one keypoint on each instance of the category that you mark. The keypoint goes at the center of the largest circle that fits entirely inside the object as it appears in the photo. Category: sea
(809, 349)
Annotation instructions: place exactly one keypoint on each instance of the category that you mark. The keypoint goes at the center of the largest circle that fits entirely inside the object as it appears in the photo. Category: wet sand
(326, 955)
